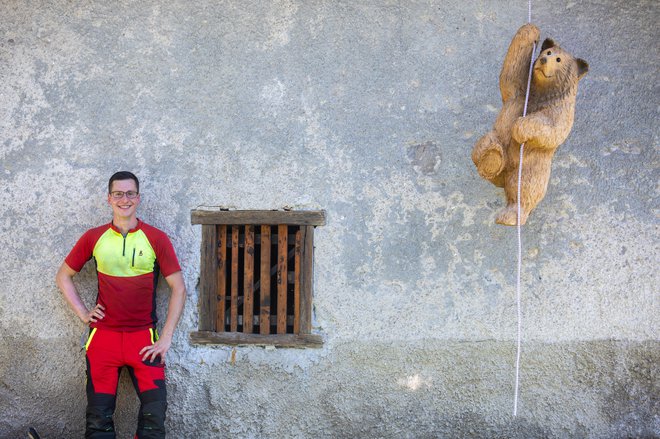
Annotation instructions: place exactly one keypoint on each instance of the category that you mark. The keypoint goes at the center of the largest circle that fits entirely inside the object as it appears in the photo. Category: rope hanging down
(518, 294)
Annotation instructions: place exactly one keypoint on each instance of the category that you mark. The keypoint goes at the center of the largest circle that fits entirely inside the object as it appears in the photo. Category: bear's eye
(558, 59)
(549, 53)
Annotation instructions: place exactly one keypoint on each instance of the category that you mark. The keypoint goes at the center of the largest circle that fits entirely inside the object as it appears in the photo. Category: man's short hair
(123, 175)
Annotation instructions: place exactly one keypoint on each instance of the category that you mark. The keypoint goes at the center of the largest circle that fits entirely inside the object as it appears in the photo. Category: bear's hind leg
(488, 157)
(509, 216)
(535, 177)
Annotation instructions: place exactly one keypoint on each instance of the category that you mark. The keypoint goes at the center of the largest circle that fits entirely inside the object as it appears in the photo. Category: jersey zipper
(133, 263)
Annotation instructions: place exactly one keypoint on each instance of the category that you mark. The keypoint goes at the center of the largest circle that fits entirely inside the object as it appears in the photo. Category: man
(129, 254)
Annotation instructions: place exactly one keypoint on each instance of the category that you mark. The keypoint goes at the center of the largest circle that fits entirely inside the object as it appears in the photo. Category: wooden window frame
(218, 232)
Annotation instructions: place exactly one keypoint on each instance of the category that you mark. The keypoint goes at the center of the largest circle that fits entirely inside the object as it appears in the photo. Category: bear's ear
(583, 67)
(548, 43)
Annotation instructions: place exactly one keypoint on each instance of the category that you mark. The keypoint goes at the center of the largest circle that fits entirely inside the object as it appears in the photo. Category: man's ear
(548, 43)
(583, 67)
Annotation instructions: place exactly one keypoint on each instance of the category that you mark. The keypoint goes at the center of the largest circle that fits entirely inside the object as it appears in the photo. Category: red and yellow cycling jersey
(127, 268)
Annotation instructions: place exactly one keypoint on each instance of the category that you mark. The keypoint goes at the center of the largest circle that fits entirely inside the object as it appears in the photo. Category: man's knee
(151, 422)
(100, 408)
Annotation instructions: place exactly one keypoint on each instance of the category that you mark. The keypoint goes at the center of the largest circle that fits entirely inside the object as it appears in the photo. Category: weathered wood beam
(208, 287)
(264, 282)
(221, 286)
(238, 338)
(233, 321)
(282, 272)
(258, 217)
(248, 287)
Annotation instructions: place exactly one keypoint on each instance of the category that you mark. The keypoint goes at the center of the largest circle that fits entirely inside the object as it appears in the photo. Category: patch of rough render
(324, 150)
(273, 94)
(166, 139)
(43, 386)
(476, 377)
(604, 281)
(160, 28)
(606, 388)
(274, 360)
(279, 19)
(372, 389)
(389, 378)
(424, 156)
(279, 175)
(238, 179)
(242, 392)
(163, 203)
(329, 283)
(242, 395)
(41, 60)
(45, 222)
(389, 206)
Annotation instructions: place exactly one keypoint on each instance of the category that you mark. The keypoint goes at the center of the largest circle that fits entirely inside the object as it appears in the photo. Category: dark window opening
(256, 277)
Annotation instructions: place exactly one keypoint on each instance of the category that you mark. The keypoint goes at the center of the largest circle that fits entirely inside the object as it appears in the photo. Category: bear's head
(557, 69)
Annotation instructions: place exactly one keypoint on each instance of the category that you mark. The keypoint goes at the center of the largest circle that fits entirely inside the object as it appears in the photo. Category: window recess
(256, 277)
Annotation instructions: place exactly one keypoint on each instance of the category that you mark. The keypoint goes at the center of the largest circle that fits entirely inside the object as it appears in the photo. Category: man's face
(123, 207)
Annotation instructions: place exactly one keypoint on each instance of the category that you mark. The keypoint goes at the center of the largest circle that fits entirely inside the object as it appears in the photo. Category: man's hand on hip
(150, 353)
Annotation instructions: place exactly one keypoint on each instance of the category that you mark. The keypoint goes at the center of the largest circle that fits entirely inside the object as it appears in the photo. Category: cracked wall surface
(367, 110)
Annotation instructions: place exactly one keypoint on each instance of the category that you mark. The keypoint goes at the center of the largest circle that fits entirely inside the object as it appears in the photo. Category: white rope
(518, 294)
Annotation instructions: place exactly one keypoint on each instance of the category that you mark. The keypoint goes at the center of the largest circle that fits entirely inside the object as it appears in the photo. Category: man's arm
(174, 310)
(64, 280)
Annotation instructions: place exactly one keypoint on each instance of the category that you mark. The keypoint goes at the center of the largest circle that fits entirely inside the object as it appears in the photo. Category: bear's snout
(543, 60)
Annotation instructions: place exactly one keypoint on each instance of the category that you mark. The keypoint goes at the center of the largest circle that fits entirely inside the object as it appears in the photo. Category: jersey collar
(137, 227)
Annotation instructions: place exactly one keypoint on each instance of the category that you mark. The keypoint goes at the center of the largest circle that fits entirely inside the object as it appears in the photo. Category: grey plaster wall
(368, 110)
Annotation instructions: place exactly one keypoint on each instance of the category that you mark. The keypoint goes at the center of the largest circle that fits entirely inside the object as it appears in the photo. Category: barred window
(256, 277)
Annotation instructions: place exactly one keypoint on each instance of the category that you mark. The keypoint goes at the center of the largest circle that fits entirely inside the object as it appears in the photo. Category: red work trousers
(107, 353)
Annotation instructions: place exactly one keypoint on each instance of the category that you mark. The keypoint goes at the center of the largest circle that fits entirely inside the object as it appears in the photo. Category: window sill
(237, 338)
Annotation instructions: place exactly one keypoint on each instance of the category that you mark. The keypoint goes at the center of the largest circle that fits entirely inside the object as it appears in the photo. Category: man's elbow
(58, 278)
(63, 275)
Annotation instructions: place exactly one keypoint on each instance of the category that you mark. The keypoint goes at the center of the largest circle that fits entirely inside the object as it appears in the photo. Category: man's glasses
(118, 195)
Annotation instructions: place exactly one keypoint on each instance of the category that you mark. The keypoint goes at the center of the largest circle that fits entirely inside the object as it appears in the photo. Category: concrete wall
(369, 110)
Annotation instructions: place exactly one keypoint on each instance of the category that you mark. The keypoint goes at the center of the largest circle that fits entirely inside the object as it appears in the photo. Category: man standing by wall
(129, 254)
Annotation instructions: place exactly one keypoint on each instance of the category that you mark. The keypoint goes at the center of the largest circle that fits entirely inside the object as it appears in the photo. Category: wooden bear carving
(548, 122)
